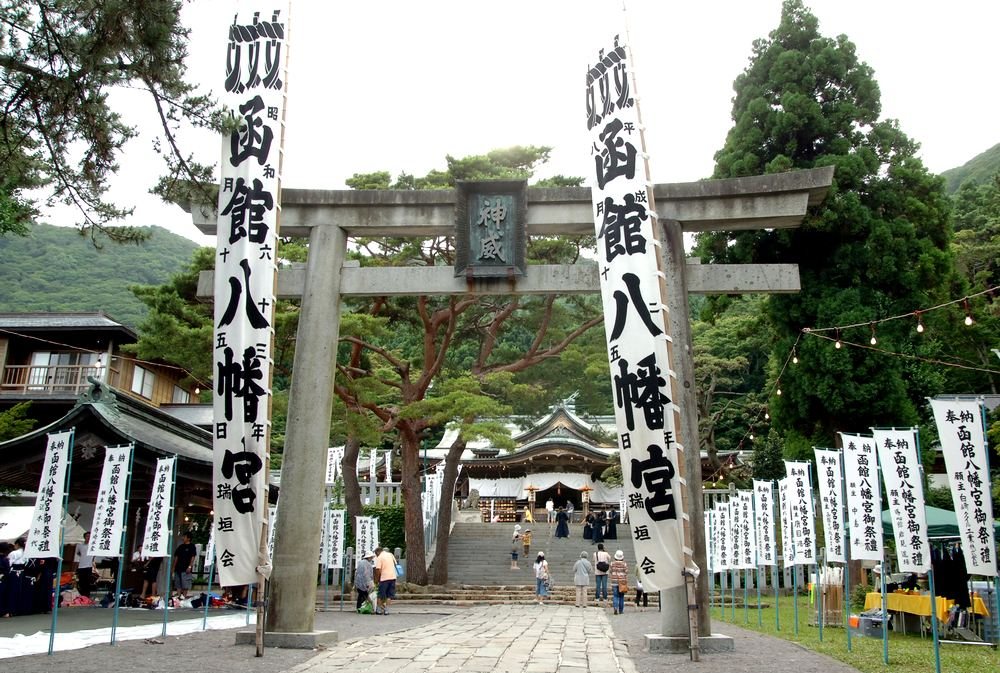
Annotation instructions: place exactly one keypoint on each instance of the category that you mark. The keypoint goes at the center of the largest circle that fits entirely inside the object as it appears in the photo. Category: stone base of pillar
(716, 642)
(309, 640)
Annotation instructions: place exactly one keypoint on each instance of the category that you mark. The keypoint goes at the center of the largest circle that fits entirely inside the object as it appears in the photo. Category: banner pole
(326, 553)
(62, 527)
(885, 612)
(996, 578)
(795, 595)
(847, 549)
(775, 575)
(746, 596)
(208, 592)
(732, 594)
(818, 586)
(776, 579)
(760, 578)
(121, 544)
(170, 546)
(930, 572)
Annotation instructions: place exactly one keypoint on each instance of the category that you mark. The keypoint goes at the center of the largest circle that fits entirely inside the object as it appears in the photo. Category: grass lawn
(907, 653)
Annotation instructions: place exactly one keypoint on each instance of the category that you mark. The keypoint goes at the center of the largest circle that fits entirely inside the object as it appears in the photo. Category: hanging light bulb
(838, 345)
(873, 340)
(920, 324)
(750, 436)
(767, 416)
(795, 357)
(197, 391)
(968, 312)
(778, 391)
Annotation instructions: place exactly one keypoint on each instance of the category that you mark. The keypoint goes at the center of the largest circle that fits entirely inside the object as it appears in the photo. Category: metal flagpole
(930, 572)
(885, 612)
(746, 597)
(847, 550)
(208, 592)
(732, 594)
(996, 578)
(59, 563)
(121, 544)
(817, 585)
(170, 546)
(795, 592)
(774, 570)
(326, 553)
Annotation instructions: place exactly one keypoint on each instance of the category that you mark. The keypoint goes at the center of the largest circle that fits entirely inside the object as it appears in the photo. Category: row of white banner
(45, 534)
(741, 532)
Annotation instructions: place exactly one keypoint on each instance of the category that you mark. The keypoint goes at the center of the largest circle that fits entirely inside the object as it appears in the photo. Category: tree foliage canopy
(60, 61)
(878, 245)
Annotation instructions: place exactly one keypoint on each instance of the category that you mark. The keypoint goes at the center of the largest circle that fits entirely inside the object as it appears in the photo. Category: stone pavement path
(489, 639)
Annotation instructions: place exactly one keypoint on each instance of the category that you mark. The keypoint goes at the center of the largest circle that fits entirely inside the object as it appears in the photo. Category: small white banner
(747, 552)
(897, 454)
(960, 427)
(272, 518)
(724, 536)
(831, 501)
(335, 534)
(864, 497)
(803, 521)
(334, 457)
(109, 513)
(785, 510)
(365, 539)
(372, 462)
(210, 549)
(45, 534)
(156, 541)
(763, 494)
(710, 540)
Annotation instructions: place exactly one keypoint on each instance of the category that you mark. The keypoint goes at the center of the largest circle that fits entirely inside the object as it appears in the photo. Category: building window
(142, 382)
(181, 396)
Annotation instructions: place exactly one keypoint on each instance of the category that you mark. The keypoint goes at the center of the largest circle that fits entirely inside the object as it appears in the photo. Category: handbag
(623, 587)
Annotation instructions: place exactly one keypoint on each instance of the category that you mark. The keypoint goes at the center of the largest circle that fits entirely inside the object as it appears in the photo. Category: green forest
(58, 269)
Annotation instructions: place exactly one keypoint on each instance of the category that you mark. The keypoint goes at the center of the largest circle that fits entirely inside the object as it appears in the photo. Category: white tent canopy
(15, 521)
(515, 487)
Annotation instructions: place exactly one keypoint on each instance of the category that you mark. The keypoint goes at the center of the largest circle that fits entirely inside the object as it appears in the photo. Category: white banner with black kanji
(45, 534)
(109, 513)
(156, 541)
(963, 443)
(254, 93)
(802, 517)
(863, 497)
(763, 494)
(635, 323)
(897, 454)
(831, 502)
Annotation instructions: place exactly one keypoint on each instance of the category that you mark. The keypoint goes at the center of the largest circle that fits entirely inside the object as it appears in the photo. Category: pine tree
(877, 246)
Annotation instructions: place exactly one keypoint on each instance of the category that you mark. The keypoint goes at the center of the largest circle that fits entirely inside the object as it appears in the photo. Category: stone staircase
(479, 566)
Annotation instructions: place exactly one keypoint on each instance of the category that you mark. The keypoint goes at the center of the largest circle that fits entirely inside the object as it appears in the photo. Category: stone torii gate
(328, 218)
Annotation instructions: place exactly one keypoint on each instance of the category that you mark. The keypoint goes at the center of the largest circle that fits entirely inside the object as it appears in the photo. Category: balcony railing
(54, 380)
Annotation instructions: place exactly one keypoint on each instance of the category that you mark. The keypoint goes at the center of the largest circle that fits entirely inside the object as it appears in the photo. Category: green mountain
(57, 269)
(979, 169)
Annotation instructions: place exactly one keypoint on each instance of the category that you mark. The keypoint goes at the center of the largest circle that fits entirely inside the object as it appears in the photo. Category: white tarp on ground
(15, 520)
(514, 487)
(38, 643)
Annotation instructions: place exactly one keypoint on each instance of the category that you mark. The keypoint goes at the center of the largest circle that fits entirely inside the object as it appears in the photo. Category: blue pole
(170, 546)
(732, 594)
(760, 579)
(795, 595)
(777, 612)
(818, 588)
(996, 579)
(208, 592)
(885, 613)
(774, 569)
(746, 598)
(343, 575)
(249, 601)
(847, 551)
(65, 505)
(930, 572)
(121, 547)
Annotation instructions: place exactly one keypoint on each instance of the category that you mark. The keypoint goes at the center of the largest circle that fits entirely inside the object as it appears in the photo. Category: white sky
(396, 85)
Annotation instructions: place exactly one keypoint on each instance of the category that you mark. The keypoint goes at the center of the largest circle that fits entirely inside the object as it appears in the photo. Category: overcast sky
(396, 85)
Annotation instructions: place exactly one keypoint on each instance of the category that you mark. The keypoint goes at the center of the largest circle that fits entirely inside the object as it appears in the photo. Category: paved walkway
(442, 639)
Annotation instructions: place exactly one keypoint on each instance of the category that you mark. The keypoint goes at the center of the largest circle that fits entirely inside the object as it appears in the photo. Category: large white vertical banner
(763, 503)
(904, 490)
(249, 202)
(963, 442)
(803, 521)
(44, 535)
(748, 531)
(635, 323)
(785, 509)
(109, 513)
(156, 541)
(828, 474)
(864, 497)
(723, 536)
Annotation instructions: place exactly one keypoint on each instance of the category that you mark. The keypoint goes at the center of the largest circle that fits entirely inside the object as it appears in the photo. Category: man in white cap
(363, 578)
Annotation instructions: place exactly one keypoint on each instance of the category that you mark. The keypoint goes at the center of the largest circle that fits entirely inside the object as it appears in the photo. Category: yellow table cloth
(919, 604)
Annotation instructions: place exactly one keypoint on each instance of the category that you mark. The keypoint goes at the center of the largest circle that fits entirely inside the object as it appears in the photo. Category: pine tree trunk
(416, 556)
(352, 489)
(440, 565)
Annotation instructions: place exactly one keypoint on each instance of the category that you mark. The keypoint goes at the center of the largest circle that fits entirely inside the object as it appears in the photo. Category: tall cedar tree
(878, 246)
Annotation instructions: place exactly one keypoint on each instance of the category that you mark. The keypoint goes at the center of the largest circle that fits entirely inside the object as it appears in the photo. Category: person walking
(541, 578)
(526, 540)
(550, 509)
(618, 574)
(385, 576)
(562, 523)
(515, 544)
(602, 563)
(184, 557)
(363, 579)
(84, 566)
(639, 593)
(581, 578)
